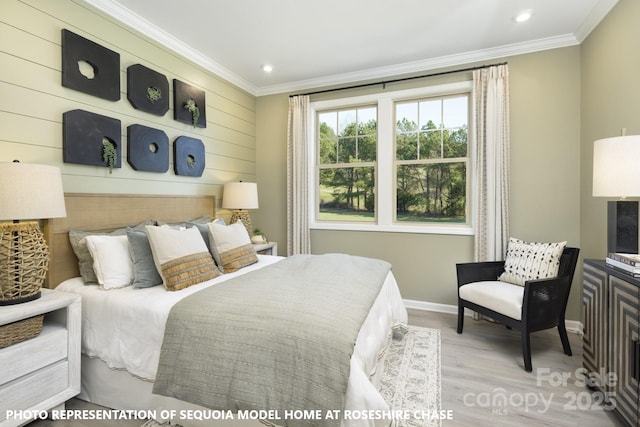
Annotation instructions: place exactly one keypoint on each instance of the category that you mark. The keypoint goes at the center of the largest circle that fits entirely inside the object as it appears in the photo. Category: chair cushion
(504, 298)
(530, 261)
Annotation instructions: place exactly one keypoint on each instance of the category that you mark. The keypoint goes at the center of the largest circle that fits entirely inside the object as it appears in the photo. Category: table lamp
(27, 192)
(241, 196)
(616, 174)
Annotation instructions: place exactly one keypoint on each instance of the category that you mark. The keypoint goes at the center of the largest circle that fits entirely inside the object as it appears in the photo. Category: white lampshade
(30, 191)
(616, 167)
(240, 195)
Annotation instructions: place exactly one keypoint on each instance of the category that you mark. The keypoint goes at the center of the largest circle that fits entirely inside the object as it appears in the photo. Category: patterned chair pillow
(530, 261)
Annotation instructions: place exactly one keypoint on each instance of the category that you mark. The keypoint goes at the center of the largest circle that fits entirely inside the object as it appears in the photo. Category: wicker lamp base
(243, 216)
(24, 260)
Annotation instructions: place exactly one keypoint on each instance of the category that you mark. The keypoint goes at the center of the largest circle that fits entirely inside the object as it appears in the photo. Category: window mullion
(386, 161)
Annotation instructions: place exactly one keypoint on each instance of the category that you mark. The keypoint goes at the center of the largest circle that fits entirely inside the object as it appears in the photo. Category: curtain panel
(491, 130)
(298, 234)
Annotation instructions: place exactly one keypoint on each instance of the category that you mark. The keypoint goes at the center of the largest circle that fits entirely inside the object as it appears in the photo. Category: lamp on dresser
(616, 174)
(241, 196)
(27, 192)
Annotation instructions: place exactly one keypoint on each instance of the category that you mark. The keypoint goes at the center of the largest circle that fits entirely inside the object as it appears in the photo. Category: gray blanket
(279, 338)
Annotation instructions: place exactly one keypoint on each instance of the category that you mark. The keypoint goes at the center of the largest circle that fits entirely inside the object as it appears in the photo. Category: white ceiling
(325, 42)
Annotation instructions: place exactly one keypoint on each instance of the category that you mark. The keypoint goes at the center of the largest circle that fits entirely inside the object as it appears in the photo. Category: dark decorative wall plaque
(147, 90)
(89, 67)
(147, 149)
(84, 134)
(189, 104)
(188, 156)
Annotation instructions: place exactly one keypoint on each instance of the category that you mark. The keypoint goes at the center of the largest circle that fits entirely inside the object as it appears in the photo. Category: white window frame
(385, 163)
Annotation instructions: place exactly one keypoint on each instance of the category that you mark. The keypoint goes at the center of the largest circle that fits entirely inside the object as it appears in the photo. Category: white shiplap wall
(32, 101)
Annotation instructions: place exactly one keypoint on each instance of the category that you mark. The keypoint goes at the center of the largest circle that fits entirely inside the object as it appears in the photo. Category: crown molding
(144, 27)
(596, 15)
(424, 65)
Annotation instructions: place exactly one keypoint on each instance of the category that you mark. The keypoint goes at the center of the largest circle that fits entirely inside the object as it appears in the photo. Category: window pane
(328, 143)
(346, 122)
(329, 120)
(367, 148)
(455, 142)
(407, 146)
(430, 114)
(346, 150)
(455, 112)
(367, 121)
(347, 194)
(406, 117)
(431, 145)
(431, 193)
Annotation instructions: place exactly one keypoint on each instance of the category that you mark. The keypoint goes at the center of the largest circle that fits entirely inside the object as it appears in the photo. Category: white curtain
(491, 122)
(298, 235)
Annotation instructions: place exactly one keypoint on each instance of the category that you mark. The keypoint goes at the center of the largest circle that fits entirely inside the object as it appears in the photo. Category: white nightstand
(270, 248)
(44, 372)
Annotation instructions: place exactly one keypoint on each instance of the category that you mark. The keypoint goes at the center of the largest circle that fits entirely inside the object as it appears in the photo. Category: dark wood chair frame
(543, 306)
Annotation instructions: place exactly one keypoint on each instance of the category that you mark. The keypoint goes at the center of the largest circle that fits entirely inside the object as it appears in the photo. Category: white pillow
(111, 260)
(530, 261)
(181, 257)
(231, 246)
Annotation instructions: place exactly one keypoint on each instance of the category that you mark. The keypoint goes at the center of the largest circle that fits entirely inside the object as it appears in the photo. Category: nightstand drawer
(34, 388)
(28, 356)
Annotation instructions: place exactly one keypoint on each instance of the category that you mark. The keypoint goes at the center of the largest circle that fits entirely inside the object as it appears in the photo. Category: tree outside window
(347, 164)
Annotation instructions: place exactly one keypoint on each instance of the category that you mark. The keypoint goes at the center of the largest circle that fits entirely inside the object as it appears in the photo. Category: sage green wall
(610, 102)
(545, 186)
(32, 101)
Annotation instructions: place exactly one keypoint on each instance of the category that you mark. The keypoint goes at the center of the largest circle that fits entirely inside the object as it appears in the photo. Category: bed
(123, 329)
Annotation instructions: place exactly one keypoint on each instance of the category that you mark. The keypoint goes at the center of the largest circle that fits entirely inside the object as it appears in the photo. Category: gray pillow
(204, 231)
(85, 260)
(145, 274)
(201, 220)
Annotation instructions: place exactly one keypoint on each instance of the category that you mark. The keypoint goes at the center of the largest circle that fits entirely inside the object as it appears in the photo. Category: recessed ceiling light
(267, 68)
(523, 16)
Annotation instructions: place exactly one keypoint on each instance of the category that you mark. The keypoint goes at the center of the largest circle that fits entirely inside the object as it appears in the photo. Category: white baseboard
(573, 326)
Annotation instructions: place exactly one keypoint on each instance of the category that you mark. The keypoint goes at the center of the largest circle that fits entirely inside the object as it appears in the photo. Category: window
(396, 161)
(431, 165)
(347, 164)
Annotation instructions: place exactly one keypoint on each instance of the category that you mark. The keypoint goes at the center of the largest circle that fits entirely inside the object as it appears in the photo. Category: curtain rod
(384, 83)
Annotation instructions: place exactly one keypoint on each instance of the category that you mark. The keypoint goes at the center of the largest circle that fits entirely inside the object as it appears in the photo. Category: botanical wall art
(188, 156)
(147, 90)
(91, 139)
(89, 67)
(147, 149)
(189, 104)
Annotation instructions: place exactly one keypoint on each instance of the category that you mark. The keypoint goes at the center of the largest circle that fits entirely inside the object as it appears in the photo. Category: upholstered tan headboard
(107, 212)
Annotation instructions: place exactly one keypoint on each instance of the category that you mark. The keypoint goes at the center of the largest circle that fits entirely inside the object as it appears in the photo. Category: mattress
(123, 329)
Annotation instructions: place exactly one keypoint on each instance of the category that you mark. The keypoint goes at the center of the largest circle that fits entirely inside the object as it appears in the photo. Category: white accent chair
(536, 306)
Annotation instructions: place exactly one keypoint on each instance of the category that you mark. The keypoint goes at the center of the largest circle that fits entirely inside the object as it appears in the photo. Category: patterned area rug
(411, 378)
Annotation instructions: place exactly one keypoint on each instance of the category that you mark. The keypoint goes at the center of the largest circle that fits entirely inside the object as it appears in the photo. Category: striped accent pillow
(231, 246)
(181, 257)
(236, 258)
(188, 270)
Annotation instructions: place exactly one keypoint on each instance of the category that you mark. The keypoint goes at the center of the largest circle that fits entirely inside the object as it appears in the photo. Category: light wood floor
(480, 366)
(485, 362)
